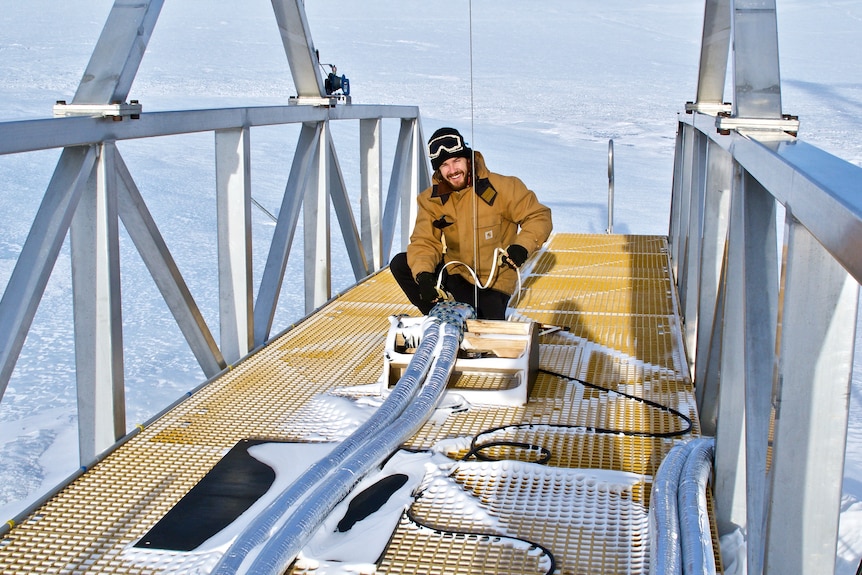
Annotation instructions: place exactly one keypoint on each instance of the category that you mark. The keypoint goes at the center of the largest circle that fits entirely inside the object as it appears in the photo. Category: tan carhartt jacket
(508, 213)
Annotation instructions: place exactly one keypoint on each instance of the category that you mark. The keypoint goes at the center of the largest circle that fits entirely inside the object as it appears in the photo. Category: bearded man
(476, 236)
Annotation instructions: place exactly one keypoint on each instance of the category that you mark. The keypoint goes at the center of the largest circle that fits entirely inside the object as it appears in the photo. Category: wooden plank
(509, 348)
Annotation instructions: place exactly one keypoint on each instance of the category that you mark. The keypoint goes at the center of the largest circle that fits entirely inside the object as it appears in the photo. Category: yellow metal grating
(601, 264)
(597, 295)
(614, 382)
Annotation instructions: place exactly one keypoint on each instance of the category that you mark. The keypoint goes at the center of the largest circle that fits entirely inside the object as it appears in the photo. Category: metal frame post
(818, 324)
(371, 186)
(689, 267)
(719, 166)
(95, 255)
(233, 207)
(316, 226)
(756, 78)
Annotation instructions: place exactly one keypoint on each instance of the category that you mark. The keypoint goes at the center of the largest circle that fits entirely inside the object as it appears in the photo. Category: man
(457, 221)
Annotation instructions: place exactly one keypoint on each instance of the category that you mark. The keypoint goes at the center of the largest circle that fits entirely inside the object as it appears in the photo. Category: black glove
(515, 255)
(427, 287)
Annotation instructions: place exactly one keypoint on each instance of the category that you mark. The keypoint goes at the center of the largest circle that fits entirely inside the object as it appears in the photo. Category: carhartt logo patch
(489, 235)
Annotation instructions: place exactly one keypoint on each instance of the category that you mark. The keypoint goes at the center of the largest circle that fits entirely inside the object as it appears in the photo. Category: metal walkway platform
(613, 397)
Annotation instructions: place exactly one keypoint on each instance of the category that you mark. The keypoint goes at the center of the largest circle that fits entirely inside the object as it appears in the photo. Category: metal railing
(93, 190)
(770, 319)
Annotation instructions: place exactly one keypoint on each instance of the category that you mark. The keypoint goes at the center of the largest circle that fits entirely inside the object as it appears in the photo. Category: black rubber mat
(232, 486)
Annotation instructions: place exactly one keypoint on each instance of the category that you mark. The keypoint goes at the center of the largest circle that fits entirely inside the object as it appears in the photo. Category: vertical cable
(473, 165)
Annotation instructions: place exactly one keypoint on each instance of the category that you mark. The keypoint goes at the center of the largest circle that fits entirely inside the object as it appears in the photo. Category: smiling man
(476, 236)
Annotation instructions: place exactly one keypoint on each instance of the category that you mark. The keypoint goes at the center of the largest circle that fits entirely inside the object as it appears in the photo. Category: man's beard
(462, 182)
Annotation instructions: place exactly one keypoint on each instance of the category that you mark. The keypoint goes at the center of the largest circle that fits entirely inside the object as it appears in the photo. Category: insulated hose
(698, 556)
(679, 526)
(258, 531)
(443, 332)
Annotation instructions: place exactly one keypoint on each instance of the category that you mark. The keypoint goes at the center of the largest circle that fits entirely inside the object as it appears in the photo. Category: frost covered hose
(666, 552)
(677, 504)
(261, 526)
(698, 556)
(447, 319)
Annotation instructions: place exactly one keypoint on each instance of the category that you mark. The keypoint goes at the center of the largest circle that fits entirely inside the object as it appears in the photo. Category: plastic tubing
(666, 552)
(259, 530)
(294, 533)
(679, 524)
(698, 556)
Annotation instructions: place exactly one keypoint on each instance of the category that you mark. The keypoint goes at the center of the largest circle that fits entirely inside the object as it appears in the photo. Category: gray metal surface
(44, 134)
(371, 202)
(315, 225)
(815, 192)
(708, 313)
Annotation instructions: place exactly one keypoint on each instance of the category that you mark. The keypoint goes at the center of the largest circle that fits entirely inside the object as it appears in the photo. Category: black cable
(476, 448)
(478, 534)
(648, 402)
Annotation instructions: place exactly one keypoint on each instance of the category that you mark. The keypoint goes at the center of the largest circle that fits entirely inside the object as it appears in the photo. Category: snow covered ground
(539, 88)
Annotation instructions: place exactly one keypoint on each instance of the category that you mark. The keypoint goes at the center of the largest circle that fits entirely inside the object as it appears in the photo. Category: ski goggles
(448, 143)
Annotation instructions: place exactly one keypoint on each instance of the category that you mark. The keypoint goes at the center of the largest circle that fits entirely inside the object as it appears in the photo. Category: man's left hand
(515, 256)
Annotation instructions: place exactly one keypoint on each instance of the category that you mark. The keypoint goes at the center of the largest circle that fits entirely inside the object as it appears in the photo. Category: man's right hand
(427, 287)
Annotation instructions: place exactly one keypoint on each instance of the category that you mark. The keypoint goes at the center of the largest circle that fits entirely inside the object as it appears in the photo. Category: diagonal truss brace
(154, 251)
(39, 254)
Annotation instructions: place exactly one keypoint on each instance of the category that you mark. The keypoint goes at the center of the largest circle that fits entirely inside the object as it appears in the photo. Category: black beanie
(447, 143)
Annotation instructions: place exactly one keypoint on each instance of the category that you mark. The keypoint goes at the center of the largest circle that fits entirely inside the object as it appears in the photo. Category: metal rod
(610, 229)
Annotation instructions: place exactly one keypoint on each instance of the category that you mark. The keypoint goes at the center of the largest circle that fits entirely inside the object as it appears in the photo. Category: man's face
(455, 171)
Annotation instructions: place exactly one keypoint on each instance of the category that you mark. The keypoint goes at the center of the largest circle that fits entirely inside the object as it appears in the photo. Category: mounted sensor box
(497, 362)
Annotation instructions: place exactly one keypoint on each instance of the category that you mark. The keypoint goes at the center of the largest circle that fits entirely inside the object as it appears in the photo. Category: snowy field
(539, 88)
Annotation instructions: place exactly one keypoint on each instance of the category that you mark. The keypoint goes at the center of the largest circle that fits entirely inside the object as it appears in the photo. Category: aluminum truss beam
(756, 78)
(371, 177)
(164, 271)
(761, 358)
(315, 209)
(39, 253)
(95, 251)
(285, 227)
(296, 38)
(817, 333)
(92, 169)
(118, 52)
(715, 45)
(98, 322)
(788, 358)
(233, 207)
